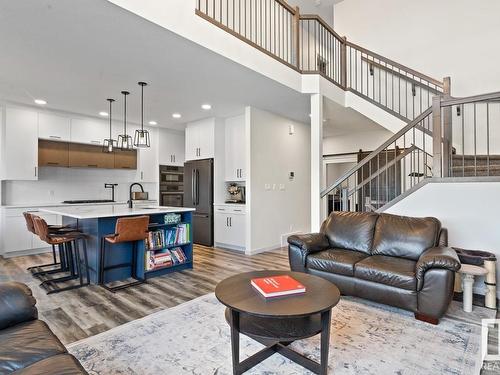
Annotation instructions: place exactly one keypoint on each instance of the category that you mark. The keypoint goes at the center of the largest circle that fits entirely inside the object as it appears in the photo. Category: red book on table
(276, 286)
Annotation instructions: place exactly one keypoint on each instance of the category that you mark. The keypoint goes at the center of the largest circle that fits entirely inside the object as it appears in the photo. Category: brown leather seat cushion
(338, 261)
(396, 272)
(61, 364)
(26, 343)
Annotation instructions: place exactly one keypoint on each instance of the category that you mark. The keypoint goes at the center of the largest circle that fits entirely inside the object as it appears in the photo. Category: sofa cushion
(350, 230)
(26, 343)
(339, 261)
(396, 272)
(405, 237)
(61, 364)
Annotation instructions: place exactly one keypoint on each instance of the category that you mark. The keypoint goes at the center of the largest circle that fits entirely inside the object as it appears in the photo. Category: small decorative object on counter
(172, 218)
(487, 261)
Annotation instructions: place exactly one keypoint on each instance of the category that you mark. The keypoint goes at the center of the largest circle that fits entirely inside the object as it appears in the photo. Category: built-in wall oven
(171, 186)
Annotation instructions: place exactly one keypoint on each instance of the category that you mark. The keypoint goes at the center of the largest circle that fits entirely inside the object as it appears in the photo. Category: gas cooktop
(89, 201)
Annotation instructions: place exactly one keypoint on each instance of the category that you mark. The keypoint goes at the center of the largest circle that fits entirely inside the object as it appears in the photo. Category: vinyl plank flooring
(88, 311)
(84, 312)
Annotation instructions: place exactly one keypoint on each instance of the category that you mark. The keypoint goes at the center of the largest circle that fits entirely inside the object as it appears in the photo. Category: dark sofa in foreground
(27, 345)
(395, 260)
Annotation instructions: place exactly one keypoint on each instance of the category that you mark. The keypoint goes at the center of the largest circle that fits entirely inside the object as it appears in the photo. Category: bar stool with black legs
(77, 265)
(127, 230)
(57, 265)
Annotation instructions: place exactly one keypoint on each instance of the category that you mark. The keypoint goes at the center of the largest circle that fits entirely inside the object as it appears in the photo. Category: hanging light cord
(142, 107)
(110, 114)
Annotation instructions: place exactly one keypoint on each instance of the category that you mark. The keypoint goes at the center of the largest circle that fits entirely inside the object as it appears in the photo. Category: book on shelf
(277, 286)
(164, 258)
(161, 238)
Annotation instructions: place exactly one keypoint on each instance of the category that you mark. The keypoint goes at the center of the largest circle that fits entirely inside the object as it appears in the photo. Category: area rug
(366, 338)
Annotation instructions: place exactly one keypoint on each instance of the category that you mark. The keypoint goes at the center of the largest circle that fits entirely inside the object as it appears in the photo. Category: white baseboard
(20, 253)
(263, 249)
(285, 236)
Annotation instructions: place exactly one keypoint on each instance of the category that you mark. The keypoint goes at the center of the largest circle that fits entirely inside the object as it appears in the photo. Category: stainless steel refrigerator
(199, 194)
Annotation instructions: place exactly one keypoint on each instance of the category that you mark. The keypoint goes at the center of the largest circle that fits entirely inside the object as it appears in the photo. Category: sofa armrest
(436, 257)
(309, 243)
(300, 246)
(17, 304)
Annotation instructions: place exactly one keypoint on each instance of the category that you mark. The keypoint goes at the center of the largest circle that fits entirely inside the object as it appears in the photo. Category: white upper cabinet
(200, 139)
(147, 158)
(53, 127)
(171, 148)
(20, 156)
(89, 131)
(235, 157)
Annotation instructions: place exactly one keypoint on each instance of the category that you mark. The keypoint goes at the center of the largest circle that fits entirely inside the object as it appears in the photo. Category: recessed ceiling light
(40, 101)
(206, 107)
(103, 114)
(153, 123)
(176, 115)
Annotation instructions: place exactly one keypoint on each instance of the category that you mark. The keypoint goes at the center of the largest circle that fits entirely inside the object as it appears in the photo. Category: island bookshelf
(165, 240)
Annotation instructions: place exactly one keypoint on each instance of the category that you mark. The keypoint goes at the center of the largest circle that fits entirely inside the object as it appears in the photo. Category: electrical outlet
(51, 193)
(282, 187)
(267, 187)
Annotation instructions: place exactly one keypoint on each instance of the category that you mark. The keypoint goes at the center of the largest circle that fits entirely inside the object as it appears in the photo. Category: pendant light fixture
(109, 144)
(141, 138)
(125, 140)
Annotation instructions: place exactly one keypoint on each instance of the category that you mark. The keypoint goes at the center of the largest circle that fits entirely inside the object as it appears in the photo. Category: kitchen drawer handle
(54, 136)
(237, 210)
(52, 163)
(92, 165)
(125, 167)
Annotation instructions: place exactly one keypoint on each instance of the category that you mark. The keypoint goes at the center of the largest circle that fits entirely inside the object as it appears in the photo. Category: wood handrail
(470, 99)
(395, 64)
(374, 153)
(315, 17)
(286, 5)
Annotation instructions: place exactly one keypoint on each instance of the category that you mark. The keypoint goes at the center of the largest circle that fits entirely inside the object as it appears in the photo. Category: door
(198, 194)
(89, 131)
(53, 154)
(53, 127)
(21, 144)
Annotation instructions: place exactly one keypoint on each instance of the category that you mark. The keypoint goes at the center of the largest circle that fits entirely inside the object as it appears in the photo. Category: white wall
(324, 10)
(55, 185)
(455, 38)
(469, 211)
(273, 155)
(350, 143)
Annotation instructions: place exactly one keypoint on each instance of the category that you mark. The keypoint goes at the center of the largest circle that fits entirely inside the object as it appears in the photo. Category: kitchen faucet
(130, 205)
(112, 187)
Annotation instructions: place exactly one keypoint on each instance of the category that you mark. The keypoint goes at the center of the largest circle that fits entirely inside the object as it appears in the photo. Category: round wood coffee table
(277, 322)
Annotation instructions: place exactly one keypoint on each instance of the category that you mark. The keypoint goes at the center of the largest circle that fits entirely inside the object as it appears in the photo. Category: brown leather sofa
(27, 345)
(395, 260)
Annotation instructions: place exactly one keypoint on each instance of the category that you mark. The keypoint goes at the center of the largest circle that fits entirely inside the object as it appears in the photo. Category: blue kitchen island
(170, 230)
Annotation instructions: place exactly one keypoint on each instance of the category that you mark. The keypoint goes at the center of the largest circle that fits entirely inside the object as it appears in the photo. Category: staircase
(444, 136)
(475, 166)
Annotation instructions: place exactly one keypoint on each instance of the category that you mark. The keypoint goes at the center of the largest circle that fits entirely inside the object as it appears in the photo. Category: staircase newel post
(296, 37)
(447, 130)
(343, 63)
(436, 138)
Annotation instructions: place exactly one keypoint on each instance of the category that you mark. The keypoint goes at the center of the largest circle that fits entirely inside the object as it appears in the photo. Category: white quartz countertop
(60, 204)
(86, 212)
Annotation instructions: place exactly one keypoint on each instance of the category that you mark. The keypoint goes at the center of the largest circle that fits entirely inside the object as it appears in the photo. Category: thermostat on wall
(291, 176)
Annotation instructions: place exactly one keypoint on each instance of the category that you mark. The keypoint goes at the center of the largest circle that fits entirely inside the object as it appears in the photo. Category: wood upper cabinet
(89, 156)
(125, 159)
(53, 154)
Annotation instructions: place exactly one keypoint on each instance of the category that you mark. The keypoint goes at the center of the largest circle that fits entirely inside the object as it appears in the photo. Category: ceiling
(339, 120)
(75, 54)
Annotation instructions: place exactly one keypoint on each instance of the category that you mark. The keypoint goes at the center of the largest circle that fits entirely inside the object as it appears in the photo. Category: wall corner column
(316, 160)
